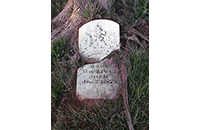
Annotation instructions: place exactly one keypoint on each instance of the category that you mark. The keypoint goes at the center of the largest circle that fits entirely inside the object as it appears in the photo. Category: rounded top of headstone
(97, 39)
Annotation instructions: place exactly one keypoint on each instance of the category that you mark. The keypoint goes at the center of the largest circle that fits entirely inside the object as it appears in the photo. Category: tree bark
(63, 16)
(69, 19)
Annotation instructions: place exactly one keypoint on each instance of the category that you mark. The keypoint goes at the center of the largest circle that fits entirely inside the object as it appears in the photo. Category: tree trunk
(67, 22)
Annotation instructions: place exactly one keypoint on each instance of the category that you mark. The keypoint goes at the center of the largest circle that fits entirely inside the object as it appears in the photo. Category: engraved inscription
(99, 80)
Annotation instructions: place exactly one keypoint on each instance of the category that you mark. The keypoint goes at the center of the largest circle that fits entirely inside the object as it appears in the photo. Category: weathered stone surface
(97, 81)
(97, 39)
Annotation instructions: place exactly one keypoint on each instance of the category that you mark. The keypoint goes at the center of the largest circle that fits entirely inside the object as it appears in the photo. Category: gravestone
(100, 78)
(97, 39)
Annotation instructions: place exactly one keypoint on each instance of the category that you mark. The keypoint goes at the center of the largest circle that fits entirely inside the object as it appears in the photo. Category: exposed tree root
(129, 29)
(133, 38)
(67, 29)
(63, 16)
(125, 94)
(66, 23)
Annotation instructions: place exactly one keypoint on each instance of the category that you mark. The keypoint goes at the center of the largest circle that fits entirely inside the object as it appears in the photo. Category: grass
(139, 8)
(90, 11)
(112, 116)
(138, 89)
(60, 54)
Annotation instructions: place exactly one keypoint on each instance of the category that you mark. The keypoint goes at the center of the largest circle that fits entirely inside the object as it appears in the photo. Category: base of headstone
(98, 81)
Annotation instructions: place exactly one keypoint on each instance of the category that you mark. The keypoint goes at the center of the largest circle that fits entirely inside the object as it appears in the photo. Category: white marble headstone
(98, 38)
(97, 81)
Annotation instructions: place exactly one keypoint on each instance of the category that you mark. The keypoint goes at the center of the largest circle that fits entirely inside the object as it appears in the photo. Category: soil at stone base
(79, 105)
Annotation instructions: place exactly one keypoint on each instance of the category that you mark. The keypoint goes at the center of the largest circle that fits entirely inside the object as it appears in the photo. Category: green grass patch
(60, 69)
(138, 88)
(139, 9)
